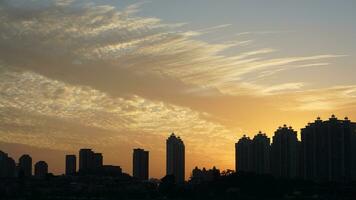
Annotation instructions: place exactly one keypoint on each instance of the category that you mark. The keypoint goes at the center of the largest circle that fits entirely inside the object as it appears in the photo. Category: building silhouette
(86, 160)
(140, 165)
(260, 150)
(175, 158)
(71, 164)
(253, 155)
(326, 152)
(98, 160)
(7, 166)
(284, 153)
(329, 150)
(109, 170)
(25, 165)
(41, 169)
(199, 176)
(91, 163)
(243, 154)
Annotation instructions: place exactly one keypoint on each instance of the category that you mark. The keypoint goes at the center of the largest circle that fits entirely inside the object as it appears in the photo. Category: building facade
(329, 150)
(7, 166)
(140, 164)
(284, 153)
(25, 165)
(243, 155)
(86, 160)
(71, 164)
(41, 169)
(98, 160)
(260, 150)
(175, 158)
(199, 176)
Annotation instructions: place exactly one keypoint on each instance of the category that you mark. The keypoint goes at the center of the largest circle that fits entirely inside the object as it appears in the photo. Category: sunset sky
(116, 75)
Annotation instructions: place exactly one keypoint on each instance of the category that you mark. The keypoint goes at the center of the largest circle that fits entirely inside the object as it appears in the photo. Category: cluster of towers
(326, 152)
(175, 160)
(9, 168)
(90, 163)
(204, 175)
(253, 155)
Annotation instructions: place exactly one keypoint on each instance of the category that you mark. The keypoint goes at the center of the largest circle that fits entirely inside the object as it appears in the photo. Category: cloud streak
(90, 34)
(34, 109)
(327, 99)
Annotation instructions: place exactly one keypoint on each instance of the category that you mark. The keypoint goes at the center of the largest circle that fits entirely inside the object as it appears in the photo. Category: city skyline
(118, 75)
(325, 152)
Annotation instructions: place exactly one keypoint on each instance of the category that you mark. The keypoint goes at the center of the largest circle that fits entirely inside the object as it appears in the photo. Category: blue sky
(292, 27)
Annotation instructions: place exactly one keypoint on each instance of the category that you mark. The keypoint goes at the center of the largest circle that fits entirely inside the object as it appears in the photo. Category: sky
(117, 75)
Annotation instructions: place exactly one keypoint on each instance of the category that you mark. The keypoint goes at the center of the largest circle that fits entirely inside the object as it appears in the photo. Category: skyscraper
(328, 150)
(203, 175)
(41, 169)
(7, 166)
(140, 164)
(25, 165)
(86, 160)
(98, 160)
(284, 153)
(260, 154)
(175, 158)
(243, 154)
(71, 164)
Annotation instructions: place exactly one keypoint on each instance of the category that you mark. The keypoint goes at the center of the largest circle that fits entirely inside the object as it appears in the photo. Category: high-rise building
(243, 154)
(260, 150)
(175, 158)
(7, 166)
(284, 153)
(98, 160)
(329, 150)
(203, 175)
(86, 160)
(140, 164)
(71, 164)
(41, 169)
(25, 165)
(110, 170)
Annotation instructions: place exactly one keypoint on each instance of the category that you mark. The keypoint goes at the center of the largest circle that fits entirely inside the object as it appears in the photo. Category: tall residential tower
(284, 153)
(71, 164)
(260, 154)
(25, 165)
(175, 158)
(243, 155)
(329, 150)
(140, 164)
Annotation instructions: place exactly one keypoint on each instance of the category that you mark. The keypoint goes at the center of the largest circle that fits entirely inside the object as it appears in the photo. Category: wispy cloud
(35, 108)
(326, 99)
(89, 34)
(246, 33)
(214, 28)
